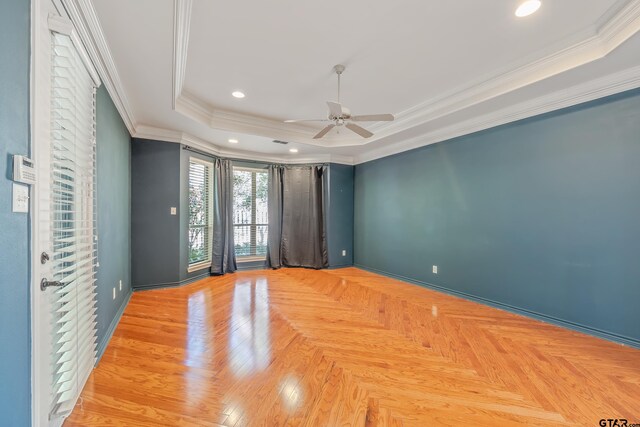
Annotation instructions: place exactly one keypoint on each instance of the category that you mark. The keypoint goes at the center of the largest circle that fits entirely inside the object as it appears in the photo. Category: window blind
(200, 212)
(250, 216)
(73, 225)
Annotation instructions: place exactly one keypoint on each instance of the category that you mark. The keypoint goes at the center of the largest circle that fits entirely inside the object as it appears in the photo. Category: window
(200, 213)
(250, 218)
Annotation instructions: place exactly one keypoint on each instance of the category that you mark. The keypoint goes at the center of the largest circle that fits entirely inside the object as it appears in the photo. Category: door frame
(38, 108)
(46, 16)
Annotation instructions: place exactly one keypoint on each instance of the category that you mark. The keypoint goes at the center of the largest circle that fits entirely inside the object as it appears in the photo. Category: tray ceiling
(443, 68)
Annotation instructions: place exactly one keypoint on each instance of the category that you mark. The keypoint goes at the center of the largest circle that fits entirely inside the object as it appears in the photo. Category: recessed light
(233, 141)
(238, 94)
(293, 150)
(527, 8)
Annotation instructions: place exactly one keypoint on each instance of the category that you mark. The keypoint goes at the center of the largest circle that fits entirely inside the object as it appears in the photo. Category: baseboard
(151, 286)
(336, 267)
(619, 339)
(102, 345)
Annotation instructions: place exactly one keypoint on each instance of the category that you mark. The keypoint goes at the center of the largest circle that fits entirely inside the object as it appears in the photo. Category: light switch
(174, 210)
(20, 198)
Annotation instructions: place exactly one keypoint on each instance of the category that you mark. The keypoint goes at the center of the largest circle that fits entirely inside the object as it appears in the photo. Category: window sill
(198, 266)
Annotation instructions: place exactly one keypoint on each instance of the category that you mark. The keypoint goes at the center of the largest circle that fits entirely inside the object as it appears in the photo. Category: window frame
(200, 265)
(253, 227)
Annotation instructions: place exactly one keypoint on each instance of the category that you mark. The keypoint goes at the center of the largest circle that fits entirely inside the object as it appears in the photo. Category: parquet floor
(347, 348)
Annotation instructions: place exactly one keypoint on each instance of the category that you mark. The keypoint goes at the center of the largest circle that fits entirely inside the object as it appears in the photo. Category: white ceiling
(443, 68)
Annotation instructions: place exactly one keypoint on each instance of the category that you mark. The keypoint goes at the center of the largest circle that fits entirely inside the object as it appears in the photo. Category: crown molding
(190, 106)
(83, 16)
(167, 135)
(598, 88)
(181, 28)
(157, 134)
(319, 158)
(594, 89)
(194, 108)
(594, 43)
(614, 28)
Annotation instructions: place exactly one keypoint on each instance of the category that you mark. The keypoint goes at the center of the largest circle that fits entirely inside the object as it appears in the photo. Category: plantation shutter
(200, 213)
(250, 212)
(73, 224)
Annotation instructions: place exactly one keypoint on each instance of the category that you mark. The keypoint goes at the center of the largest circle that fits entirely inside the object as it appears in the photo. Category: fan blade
(373, 118)
(335, 109)
(359, 130)
(324, 131)
(306, 120)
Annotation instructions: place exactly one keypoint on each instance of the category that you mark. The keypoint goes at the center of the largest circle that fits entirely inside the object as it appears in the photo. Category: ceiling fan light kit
(341, 116)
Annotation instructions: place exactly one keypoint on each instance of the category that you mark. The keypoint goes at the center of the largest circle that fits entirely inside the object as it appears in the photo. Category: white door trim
(38, 109)
(35, 377)
(46, 15)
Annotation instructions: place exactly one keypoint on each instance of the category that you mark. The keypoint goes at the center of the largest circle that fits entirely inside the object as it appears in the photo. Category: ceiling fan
(341, 116)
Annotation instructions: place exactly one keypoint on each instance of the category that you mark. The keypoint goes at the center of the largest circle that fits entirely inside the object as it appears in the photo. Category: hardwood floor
(347, 347)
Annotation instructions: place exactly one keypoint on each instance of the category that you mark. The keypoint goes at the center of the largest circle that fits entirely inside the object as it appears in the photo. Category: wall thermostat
(24, 170)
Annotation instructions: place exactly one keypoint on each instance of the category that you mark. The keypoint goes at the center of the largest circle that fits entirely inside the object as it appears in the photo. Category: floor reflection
(291, 392)
(249, 340)
(231, 414)
(199, 345)
(198, 340)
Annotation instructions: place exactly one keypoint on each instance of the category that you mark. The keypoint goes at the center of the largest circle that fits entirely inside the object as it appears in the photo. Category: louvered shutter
(200, 213)
(73, 224)
(250, 212)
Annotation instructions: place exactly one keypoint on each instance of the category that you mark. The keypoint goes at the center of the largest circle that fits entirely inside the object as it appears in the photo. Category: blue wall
(114, 215)
(15, 362)
(155, 188)
(540, 215)
(160, 172)
(340, 215)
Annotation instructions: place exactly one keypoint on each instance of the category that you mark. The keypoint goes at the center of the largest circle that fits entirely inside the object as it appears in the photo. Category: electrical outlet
(435, 269)
(120, 284)
(344, 252)
(174, 210)
(114, 292)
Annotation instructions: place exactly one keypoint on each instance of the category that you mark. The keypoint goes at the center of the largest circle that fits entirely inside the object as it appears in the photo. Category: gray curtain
(296, 211)
(274, 236)
(223, 258)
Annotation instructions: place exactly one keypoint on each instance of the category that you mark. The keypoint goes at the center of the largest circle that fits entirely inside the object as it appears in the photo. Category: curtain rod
(204, 153)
